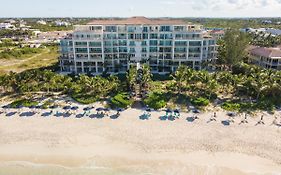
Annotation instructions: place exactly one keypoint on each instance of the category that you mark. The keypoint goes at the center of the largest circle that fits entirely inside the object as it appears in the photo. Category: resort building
(266, 57)
(113, 45)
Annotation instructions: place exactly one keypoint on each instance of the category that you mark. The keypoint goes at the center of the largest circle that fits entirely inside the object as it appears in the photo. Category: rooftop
(137, 20)
(267, 52)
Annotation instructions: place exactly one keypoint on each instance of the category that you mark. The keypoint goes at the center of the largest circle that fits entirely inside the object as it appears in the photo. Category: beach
(129, 145)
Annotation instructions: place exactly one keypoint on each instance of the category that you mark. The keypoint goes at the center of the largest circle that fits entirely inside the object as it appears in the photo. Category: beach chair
(84, 114)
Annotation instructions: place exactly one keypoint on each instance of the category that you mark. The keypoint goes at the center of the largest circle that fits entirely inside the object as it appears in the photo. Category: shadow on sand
(10, 114)
(190, 119)
(114, 117)
(27, 114)
(46, 114)
(97, 116)
(225, 122)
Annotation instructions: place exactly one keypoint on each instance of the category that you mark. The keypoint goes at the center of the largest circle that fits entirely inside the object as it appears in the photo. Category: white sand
(128, 145)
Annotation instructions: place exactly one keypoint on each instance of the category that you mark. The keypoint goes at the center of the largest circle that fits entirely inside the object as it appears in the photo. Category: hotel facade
(113, 45)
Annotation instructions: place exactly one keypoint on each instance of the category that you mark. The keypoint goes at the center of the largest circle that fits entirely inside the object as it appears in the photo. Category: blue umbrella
(196, 111)
(5, 106)
(106, 109)
(38, 107)
(74, 108)
(99, 109)
(168, 110)
(231, 114)
(87, 108)
(19, 106)
(53, 107)
(148, 109)
(66, 107)
(119, 109)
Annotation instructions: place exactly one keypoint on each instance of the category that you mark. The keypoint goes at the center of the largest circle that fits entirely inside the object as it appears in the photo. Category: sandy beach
(128, 145)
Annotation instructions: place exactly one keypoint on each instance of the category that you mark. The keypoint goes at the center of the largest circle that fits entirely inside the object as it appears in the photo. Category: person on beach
(246, 118)
(275, 122)
(231, 119)
(214, 117)
(261, 120)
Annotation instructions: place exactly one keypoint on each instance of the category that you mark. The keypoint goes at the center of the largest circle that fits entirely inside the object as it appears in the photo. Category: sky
(148, 8)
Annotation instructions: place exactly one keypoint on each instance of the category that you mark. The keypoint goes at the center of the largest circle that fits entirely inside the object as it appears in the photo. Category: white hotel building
(113, 45)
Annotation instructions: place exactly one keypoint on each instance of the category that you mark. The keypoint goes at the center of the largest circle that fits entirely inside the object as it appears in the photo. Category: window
(153, 42)
(153, 36)
(131, 29)
(95, 50)
(81, 50)
(153, 49)
(110, 28)
(95, 44)
(179, 28)
(165, 28)
(132, 50)
(145, 36)
(132, 43)
(180, 43)
(143, 43)
(143, 49)
(138, 36)
(131, 36)
(145, 29)
(81, 43)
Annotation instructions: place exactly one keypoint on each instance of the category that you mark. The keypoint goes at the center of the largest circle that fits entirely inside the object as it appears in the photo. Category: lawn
(47, 57)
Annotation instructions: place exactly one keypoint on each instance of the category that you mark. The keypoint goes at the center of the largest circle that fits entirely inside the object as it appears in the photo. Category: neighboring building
(114, 45)
(11, 21)
(274, 32)
(218, 34)
(42, 22)
(267, 22)
(266, 57)
(61, 23)
(6, 26)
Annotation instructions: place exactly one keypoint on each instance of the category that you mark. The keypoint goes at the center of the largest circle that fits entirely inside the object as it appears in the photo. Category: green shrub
(121, 100)
(46, 105)
(156, 100)
(201, 101)
(23, 102)
(230, 106)
(84, 98)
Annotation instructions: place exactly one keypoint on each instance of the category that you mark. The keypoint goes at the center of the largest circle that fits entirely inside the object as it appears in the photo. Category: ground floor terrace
(122, 65)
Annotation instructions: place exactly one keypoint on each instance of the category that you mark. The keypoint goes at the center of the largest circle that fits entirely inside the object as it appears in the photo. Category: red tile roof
(266, 52)
(137, 20)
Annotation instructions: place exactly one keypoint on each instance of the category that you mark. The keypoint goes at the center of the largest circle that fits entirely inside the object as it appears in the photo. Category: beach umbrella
(74, 108)
(87, 108)
(231, 114)
(119, 109)
(5, 106)
(176, 111)
(148, 109)
(32, 107)
(196, 111)
(67, 107)
(106, 109)
(168, 110)
(38, 107)
(99, 109)
(54, 107)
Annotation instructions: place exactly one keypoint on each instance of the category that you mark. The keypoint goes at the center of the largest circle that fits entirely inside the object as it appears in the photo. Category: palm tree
(131, 77)
(180, 77)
